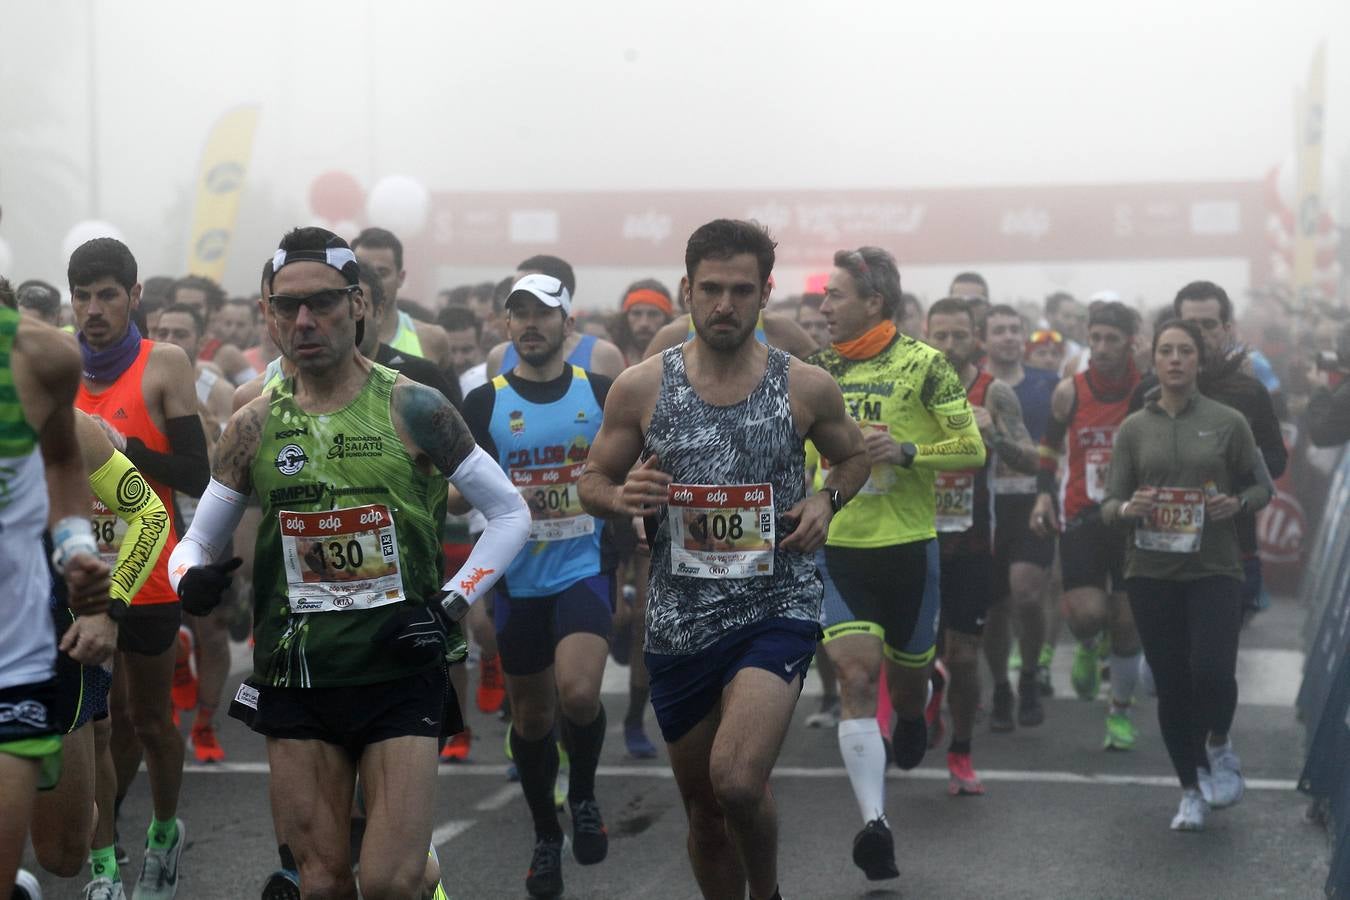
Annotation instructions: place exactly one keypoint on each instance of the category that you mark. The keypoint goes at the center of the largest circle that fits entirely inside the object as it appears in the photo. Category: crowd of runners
(718, 488)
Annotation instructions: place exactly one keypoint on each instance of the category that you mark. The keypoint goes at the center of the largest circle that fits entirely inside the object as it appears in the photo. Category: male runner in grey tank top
(734, 605)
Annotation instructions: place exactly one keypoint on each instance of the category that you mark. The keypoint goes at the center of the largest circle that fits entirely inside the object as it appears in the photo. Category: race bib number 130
(340, 560)
(721, 531)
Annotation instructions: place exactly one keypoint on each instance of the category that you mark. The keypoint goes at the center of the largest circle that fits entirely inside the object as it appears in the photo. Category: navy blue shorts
(81, 691)
(529, 628)
(686, 687)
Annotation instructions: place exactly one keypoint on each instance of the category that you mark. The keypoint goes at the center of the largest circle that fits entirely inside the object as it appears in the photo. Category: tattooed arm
(437, 436)
(1012, 441)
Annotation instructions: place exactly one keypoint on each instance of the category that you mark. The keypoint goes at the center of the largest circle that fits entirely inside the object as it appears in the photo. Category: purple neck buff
(109, 363)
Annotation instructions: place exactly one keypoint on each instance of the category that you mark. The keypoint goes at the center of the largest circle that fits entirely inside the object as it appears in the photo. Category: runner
(208, 300)
(182, 326)
(964, 523)
(1022, 559)
(351, 633)
(143, 390)
(585, 350)
(719, 424)
(1087, 409)
(383, 252)
(131, 526)
(554, 604)
(880, 565)
(909, 317)
(1066, 316)
(42, 482)
(1182, 470)
(770, 328)
(812, 320)
(645, 309)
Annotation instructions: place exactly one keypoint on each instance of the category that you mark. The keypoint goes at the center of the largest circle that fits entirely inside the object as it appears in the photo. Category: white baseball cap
(544, 288)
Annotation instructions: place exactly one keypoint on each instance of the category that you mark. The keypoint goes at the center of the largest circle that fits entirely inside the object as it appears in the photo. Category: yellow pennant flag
(220, 183)
(1308, 207)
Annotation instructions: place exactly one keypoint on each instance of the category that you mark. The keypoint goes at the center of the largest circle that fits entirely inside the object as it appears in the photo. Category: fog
(104, 108)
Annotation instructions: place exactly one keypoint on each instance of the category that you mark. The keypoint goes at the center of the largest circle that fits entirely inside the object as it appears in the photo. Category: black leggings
(1189, 630)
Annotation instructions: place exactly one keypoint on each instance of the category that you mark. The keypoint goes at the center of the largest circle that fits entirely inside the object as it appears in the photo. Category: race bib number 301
(1176, 524)
(721, 531)
(340, 560)
(555, 510)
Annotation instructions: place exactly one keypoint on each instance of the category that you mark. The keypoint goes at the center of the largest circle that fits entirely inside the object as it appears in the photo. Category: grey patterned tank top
(748, 443)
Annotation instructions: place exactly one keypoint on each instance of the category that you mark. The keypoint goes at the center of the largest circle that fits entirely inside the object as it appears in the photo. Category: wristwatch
(907, 453)
(836, 499)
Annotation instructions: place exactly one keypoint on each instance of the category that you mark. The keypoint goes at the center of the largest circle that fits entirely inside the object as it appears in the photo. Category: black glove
(200, 587)
(416, 635)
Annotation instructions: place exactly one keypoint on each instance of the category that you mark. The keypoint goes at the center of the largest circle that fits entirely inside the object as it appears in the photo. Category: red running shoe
(491, 684)
(457, 748)
(963, 777)
(204, 745)
(185, 673)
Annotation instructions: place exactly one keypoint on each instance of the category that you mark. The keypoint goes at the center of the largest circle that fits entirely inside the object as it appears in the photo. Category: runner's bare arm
(246, 393)
(611, 487)
(606, 359)
(171, 382)
(1044, 517)
(672, 334)
(435, 344)
(1012, 441)
(785, 334)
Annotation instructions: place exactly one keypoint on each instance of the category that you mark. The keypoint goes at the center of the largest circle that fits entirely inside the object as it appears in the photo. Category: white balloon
(6, 259)
(400, 204)
(86, 231)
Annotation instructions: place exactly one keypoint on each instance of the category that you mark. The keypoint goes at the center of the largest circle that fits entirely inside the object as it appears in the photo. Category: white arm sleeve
(485, 485)
(218, 515)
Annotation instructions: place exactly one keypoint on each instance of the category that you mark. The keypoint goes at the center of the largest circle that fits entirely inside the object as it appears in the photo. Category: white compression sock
(1124, 677)
(865, 760)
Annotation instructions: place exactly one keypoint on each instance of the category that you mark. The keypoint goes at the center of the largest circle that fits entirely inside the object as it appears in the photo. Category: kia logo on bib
(291, 460)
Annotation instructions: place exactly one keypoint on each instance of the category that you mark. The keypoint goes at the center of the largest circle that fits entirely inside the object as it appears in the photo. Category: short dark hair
(458, 296)
(1205, 290)
(1191, 328)
(380, 239)
(7, 294)
(371, 279)
(998, 309)
(1056, 300)
(722, 239)
(215, 294)
(874, 272)
(458, 318)
(156, 292)
(972, 278)
(197, 321)
(38, 295)
(503, 290)
(102, 258)
(249, 303)
(952, 306)
(555, 266)
(811, 300)
(1114, 314)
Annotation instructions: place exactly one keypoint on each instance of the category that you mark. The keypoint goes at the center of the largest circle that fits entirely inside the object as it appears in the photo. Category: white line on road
(450, 830)
(503, 796)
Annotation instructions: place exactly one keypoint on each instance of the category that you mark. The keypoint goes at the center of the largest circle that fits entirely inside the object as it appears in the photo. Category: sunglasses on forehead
(287, 306)
(1045, 335)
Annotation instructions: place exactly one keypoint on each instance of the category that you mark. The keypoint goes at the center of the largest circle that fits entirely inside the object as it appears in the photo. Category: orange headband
(651, 297)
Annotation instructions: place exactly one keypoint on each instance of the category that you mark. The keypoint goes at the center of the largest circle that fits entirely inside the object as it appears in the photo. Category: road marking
(450, 830)
(506, 793)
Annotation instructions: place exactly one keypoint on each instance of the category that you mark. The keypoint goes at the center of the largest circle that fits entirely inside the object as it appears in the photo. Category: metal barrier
(1324, 697)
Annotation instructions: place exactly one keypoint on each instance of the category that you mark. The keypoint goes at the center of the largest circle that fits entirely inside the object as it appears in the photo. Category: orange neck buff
(868, 344)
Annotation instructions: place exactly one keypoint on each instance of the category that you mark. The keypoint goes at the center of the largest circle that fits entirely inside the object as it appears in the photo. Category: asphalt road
(1061, 818)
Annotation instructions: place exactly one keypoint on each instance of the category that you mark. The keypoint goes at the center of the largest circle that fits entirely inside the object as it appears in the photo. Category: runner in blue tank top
(734, 605)
(555, 603)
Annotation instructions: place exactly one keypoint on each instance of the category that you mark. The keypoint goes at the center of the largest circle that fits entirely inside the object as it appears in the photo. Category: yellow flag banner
(1308, 208)
(220, 183)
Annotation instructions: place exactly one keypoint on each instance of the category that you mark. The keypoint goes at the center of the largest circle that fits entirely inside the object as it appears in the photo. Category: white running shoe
(1191, 813)
(827, 716)
(103, 889)
(26, 887)
(1225, 782)
(159, 870)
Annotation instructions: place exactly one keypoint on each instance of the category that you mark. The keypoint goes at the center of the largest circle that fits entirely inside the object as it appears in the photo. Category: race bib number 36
(1176, 523)
(109, 530)
(721, 531)
(954, 501)
(555, 511)
(342, 559)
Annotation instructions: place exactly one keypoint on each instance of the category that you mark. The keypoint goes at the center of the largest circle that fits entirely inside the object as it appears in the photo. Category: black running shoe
(1001, 718)
(545, 876)
(590, 840)
(283, 884)
(874, 851)
(1030, 709)
(909, 742)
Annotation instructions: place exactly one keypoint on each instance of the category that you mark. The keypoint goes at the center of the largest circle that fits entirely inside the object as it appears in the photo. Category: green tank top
(349, 538)
(405, 338)
(902, 389)
(17, 437)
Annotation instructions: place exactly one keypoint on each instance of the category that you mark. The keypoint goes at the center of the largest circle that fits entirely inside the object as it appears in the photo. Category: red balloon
(336, 196)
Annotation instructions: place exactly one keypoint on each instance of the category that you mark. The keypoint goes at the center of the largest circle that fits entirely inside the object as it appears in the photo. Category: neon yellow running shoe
(563, 780)
(1085, 675)
(1120, 731)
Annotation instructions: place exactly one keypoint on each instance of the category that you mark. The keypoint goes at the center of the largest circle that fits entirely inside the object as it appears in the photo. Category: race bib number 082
(721, 531)
(340, 560)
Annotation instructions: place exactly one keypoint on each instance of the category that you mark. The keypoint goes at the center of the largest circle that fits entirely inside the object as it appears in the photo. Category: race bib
(555, 510)
(954, 493)
(882, 478)
(721, 531)
(1175, 525)
(340, 560)
(109, 530)
(1096, 463)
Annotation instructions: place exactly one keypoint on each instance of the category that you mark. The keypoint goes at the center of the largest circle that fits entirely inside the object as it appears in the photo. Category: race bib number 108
(721, 531)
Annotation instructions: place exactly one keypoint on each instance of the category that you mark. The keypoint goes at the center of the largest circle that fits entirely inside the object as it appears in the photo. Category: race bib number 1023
(340, 560)
(1176, 523)
(721, 531)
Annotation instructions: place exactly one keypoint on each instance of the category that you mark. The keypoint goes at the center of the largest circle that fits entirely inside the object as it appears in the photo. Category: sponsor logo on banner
(650, 226)
(1030, 222)
(534, 226)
